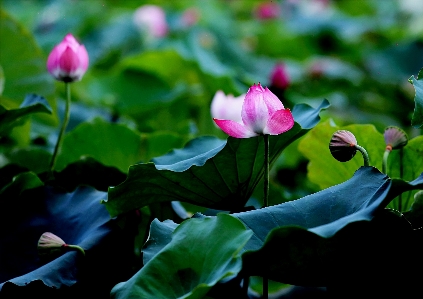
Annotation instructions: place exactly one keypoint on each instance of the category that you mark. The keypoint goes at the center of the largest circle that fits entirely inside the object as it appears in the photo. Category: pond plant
(100, 210)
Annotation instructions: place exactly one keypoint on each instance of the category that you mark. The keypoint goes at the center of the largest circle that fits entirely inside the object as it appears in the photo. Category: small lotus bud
(395, 138)
(279, 77)
(68, 61)
(343, 145)
(50, 244)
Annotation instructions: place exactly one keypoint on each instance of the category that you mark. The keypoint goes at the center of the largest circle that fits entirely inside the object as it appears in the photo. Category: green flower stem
(385, 161)
(266, 200)
(266, 171)
(364, 154)
(76, 247)
(64, 125)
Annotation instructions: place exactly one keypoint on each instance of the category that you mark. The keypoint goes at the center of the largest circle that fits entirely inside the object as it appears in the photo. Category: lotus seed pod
(395, 138)
(342, 145)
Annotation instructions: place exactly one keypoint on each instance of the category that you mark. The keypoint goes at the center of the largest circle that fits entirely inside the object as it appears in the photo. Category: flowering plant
(155, 166)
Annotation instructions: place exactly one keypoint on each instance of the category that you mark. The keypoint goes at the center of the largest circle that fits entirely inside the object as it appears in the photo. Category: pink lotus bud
(262, 113)
(343, 145)
(152, 19)
(267, 10)
(68, 61)
(49, 244)
(227, 106)
(279, 77)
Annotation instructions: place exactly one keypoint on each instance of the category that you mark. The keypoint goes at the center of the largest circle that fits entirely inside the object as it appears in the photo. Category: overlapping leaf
(308, 228)
(78, 219)
(207, 172)
(303, 242)
(201, 252)
(32, 104)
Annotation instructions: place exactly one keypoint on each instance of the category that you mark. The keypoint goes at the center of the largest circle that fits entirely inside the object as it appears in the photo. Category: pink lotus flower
(152, 19)
(227, 106)
(267, 10)
(279, 77)
(262, 113)
(68, 61)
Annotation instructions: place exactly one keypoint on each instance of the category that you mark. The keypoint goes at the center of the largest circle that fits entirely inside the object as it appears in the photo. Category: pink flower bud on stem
(49, 244)
(343, 147)
(67, 62)
(395, 138)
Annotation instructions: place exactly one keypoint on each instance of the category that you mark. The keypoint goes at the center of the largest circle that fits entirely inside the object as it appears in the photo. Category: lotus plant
(67, 62)
(264, 114)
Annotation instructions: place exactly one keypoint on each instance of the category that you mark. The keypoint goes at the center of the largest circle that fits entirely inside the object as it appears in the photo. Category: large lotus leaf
(113, 144)
(207, 172)
(160, 236)
(23, 63)
(308, 226)
(354, 256)
(32, 104)
(201, 253)
(79, 219)
(417, 120)
(327, 211)
(306, 241)
(323, 169)
(323, 212)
